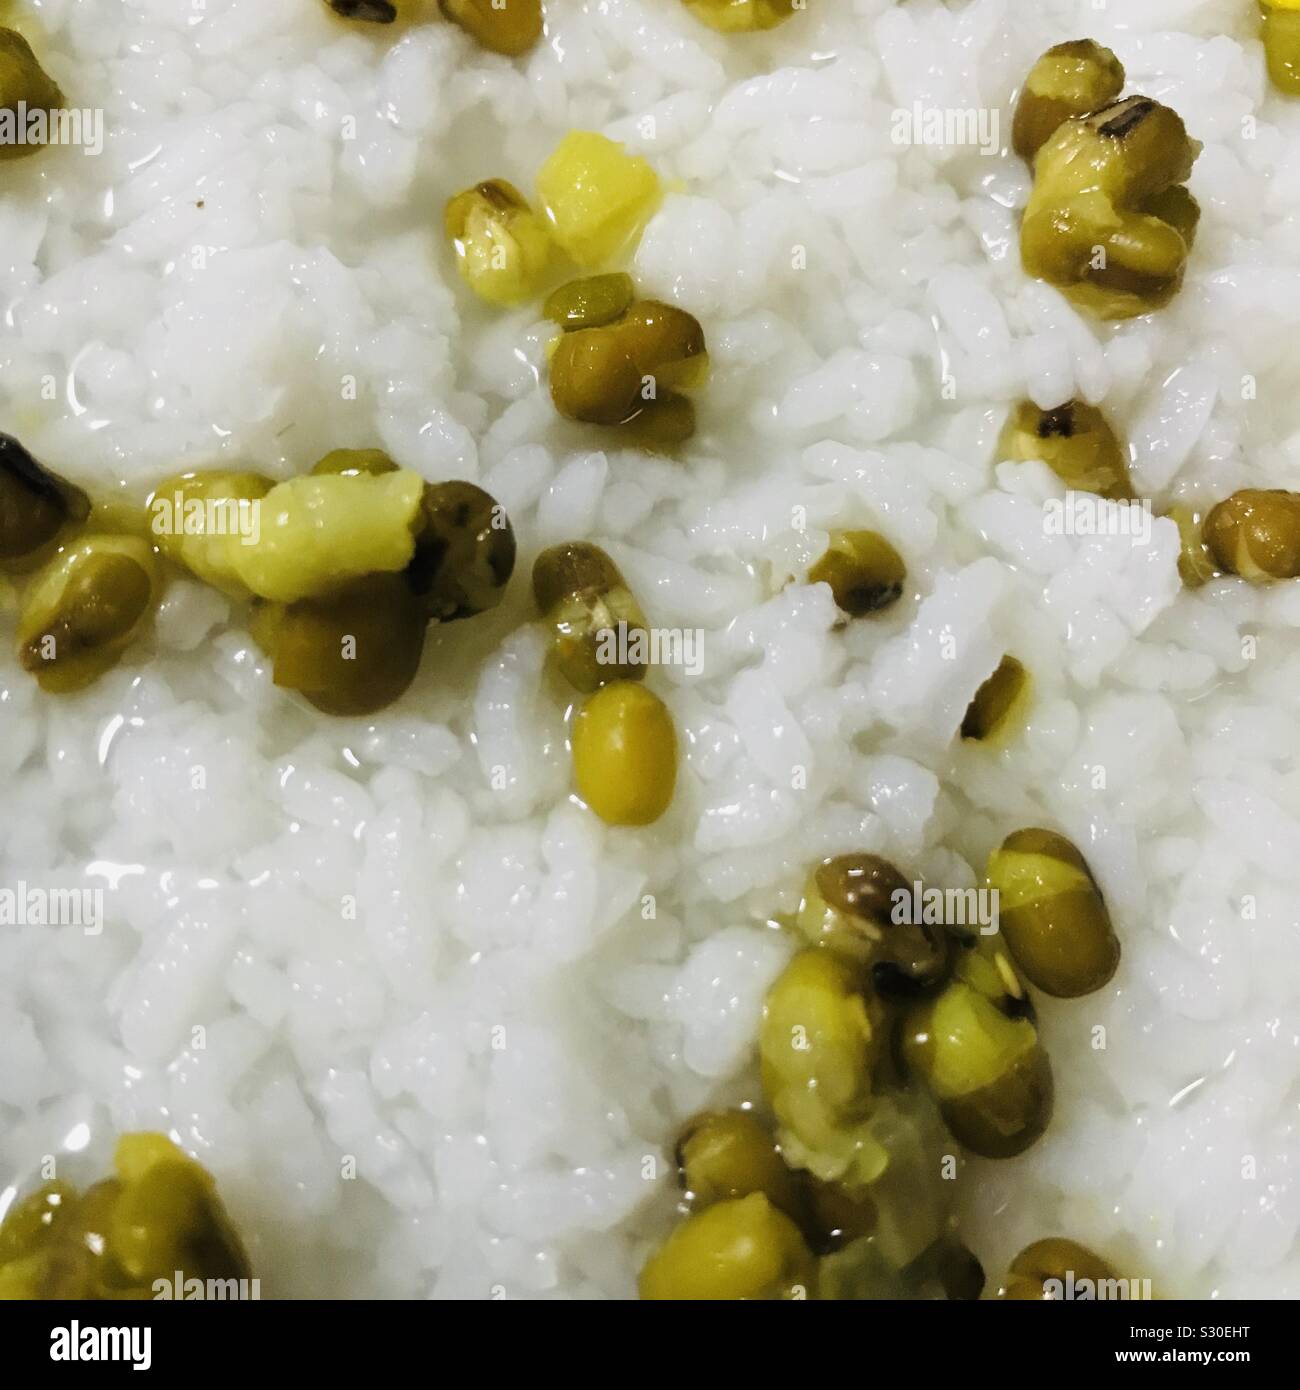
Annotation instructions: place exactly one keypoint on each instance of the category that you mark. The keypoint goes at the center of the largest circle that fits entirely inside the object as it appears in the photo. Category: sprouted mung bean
(36, 506)
(590, 302)
(1052, 915)
(84, 608)
(976, 1048)
(851, 907)
(1040, 1271)
(24, 87)
(509, 27)
(159, 1214)
(997, 703)
(864, 571)
(206, 551)
(722, 1155)
(625, 754)
(464, 552)
(1255, 533)
(1075, 441)
(1280, 21)
(583, 599)
(371, 11)
(743, 16)
(503, 249)
(1093, 225)
(1070, 80)
(629, 371)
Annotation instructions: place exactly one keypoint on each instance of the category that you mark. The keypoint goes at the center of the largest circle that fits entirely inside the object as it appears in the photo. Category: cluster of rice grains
(887, 1036)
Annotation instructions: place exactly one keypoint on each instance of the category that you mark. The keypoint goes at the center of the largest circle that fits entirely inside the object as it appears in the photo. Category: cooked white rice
(464, 1088)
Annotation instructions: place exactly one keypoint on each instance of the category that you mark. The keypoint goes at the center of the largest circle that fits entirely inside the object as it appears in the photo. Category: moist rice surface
(431, 1024)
